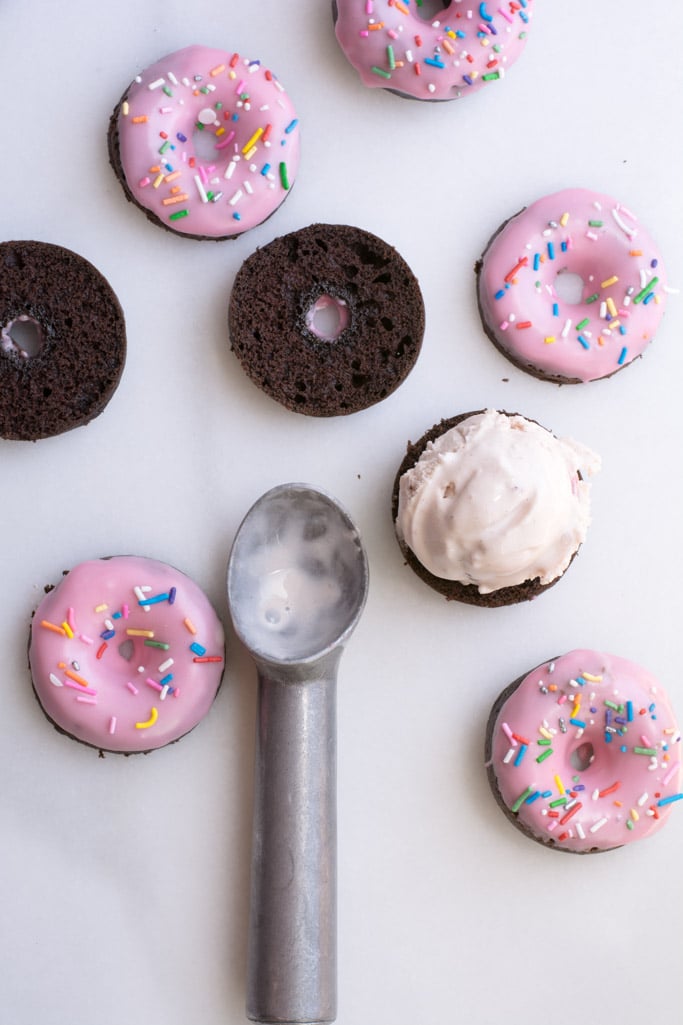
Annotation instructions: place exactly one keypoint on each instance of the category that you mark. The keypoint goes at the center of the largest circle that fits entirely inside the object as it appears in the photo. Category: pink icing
(597, 239)
(253, 158)
(98, 673)
(588, 703)
(466, 46)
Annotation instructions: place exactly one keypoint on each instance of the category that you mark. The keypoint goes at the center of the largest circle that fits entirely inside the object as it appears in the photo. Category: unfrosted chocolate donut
(360, 284)
(62, 340)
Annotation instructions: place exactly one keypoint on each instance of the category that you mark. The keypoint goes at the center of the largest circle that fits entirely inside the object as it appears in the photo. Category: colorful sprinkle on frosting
(566, 270)
(606, 752)
(151, 679)
(392, 45)
(218, 152)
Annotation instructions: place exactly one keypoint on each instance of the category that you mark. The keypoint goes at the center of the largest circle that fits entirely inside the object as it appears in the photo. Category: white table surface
(124, 881)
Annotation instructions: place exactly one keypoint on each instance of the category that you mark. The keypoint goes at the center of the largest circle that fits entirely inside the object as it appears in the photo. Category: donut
(583, 753)
(126, 654)
(62, 340)
(205, 142)
(326, 320)
(452, 54)
(490, 508)
(572, 288)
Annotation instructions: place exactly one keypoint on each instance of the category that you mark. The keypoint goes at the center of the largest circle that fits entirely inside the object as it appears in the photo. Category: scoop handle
(292, 966)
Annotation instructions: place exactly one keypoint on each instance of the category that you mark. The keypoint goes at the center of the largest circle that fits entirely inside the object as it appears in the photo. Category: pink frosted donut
(205, 142)
(572, 288)
(455, 53)
(126, 654)
(583, 754)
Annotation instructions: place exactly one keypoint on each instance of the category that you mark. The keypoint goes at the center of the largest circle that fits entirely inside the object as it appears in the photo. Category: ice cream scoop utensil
(297, 583)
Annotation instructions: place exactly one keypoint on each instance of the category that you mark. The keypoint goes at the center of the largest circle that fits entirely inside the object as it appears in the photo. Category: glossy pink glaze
(622, 299)
(616, 798)
(254, 156)
(110, 696)
(466, 46)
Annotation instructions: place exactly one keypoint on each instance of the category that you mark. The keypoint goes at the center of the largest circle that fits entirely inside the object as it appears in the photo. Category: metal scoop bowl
(297, 584)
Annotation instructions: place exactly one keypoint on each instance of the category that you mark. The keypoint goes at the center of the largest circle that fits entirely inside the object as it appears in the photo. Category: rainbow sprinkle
(240, 109)
(605, 316)
(574, 808)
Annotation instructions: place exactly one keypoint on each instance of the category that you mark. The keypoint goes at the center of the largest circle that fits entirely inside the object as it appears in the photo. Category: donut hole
(204, 144)
(327, 317)
(127, 649)
(582, 756)
(429, 9)
(569, 287)
(24, 336)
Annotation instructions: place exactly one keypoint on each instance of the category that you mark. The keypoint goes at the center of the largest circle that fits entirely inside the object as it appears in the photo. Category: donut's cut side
(363, 283)
(62, 340)
(572, 288)
(583, 753)
(126, 654)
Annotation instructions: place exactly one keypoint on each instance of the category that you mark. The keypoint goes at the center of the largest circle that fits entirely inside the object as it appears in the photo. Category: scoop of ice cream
(495, 501)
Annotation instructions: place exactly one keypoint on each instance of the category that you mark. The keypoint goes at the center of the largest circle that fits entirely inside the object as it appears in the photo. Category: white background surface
(124, 881)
